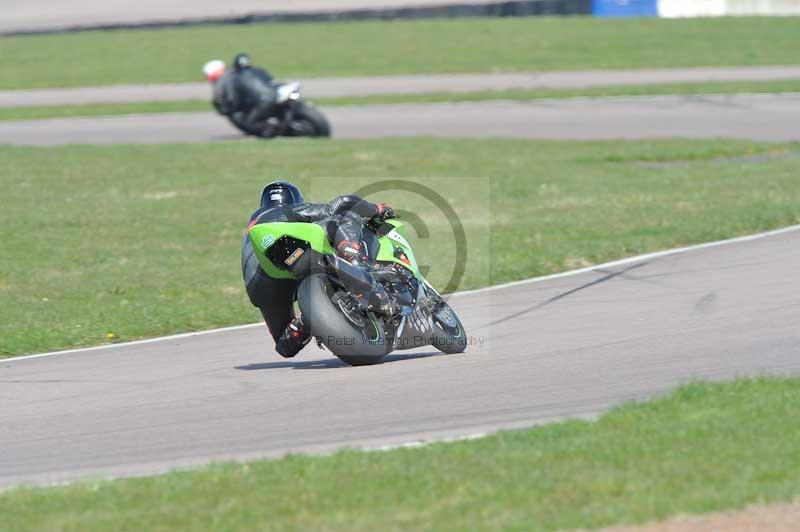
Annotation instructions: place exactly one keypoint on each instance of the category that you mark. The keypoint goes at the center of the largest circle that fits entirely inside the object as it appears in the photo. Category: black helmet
(241, 61)
(280, 193)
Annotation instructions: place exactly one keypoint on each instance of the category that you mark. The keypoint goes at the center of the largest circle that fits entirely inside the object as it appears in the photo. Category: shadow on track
(329, 363)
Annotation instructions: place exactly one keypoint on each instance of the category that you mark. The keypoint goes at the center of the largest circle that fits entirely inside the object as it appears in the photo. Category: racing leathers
(223, 94)
(256, 96)
(227, 103)
(343, 219)
(247, 97)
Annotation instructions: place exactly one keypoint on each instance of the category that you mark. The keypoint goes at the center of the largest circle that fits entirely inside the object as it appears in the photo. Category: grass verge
(177, 106)
(107, 243)
(398, 47)
(703, 448)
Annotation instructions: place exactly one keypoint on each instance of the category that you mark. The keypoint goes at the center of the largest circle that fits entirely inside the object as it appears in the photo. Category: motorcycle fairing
(285, 91)
(305, 235)
(291, 236)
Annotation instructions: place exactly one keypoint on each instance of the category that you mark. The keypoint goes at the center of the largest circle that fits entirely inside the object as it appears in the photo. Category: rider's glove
(385, 211)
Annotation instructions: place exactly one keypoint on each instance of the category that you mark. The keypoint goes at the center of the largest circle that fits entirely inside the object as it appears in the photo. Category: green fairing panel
(396, 239)
(264, 235)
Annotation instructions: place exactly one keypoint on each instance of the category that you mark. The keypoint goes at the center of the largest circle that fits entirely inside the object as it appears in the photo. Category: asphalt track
(568, 346)
(415, 84)
(22, 15)
(768, 117)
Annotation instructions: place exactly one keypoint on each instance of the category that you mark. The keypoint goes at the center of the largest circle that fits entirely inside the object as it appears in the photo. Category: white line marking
(134, 342)
(629, 260)
(620, 262)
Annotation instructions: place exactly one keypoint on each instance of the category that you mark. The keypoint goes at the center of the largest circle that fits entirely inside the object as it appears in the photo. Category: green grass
(177, 106)
(704, 447)
(687, 89)
(144, 240)
(400, 47)
(102, 109)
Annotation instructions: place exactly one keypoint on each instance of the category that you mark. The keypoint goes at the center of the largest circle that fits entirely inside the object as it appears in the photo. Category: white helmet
(213, 70)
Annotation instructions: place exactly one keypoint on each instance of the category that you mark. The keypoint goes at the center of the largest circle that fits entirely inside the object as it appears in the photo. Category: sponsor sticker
(397, 237)
(296, 254)
(267, 241)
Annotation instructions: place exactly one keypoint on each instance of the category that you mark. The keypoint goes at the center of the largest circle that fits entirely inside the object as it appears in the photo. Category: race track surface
(571, 346)
(417, 84)
(757, 116)
(26, 15)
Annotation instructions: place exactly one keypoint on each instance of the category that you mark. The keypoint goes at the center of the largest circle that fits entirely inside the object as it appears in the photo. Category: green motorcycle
(359, 312)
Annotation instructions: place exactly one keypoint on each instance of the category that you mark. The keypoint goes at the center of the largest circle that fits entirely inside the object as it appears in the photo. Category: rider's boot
(259, 118)
(272, 127)
(293, 339)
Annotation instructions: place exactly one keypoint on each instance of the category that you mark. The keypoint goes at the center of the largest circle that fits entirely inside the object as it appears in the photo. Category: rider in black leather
(343, 218)
(223, 94)
(254, 94)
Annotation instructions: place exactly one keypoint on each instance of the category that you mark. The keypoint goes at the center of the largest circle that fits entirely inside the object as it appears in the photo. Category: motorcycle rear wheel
(356, 343)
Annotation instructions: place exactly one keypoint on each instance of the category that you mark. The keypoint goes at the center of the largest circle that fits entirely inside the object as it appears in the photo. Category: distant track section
(411, 84)
(749, 116)
(25, 17)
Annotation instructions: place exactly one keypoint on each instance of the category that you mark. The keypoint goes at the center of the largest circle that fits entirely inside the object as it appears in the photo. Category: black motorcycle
(293, 116)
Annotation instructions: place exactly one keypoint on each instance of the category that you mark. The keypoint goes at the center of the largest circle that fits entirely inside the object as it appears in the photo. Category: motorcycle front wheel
(355, 339)
(308, 121)
(449, 336)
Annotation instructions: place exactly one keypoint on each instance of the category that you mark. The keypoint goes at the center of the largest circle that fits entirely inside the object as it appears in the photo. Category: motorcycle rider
(343, 218)
(255, 94)
(223, 92)
(222, 95)
(246, 94)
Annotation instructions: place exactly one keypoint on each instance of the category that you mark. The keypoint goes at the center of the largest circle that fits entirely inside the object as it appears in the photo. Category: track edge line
(532, 280)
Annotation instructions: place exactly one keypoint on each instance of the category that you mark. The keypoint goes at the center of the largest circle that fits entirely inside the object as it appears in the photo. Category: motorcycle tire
(450, 337)
(354, 344)
(308, 121)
